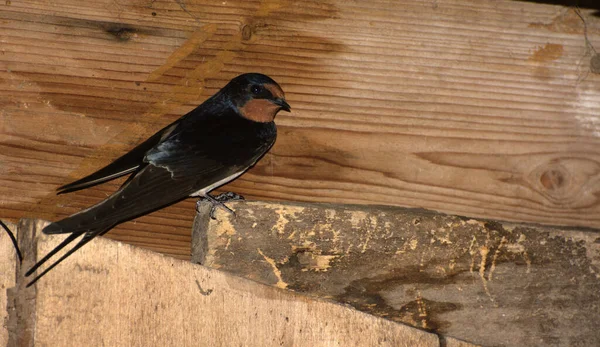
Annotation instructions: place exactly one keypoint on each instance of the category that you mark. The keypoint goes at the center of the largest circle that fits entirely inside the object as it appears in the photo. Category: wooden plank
(8, 271)
(480, 108)
(452, 342)
(486, 282)
(113, 294)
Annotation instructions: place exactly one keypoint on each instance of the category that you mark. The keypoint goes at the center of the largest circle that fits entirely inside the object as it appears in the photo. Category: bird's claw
(228, 196)
(219, 202)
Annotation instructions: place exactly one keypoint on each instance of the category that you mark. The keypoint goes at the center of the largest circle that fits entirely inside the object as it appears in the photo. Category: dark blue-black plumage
(206, 148)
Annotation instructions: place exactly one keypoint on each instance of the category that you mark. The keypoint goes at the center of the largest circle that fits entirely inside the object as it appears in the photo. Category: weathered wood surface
(111, 294)
(496, 284)
(8, 270)
(481, 108)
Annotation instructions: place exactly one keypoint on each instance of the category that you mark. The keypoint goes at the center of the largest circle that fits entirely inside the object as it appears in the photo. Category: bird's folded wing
(171, 172)
(126, 164)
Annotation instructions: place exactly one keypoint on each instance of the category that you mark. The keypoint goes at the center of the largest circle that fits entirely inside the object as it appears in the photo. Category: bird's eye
(256, 89)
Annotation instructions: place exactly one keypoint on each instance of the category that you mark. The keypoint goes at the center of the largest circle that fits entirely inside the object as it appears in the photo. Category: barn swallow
(208, 147)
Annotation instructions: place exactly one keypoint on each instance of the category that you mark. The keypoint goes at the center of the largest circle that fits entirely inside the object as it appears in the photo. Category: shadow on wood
(583, 4)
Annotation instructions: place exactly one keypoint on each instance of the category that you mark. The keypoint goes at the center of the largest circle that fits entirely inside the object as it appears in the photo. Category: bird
(206, 148)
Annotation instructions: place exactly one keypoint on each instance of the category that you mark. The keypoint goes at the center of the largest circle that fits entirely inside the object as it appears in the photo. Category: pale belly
(202, 192)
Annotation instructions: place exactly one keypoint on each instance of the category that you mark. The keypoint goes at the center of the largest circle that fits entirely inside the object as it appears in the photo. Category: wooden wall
(110, 294)
(479, 108)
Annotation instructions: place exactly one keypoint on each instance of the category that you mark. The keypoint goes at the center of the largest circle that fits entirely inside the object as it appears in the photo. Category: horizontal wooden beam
(479, 108)
(113, 294)
(487, 282)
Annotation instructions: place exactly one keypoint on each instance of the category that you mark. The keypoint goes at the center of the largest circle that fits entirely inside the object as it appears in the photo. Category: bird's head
(256, 97)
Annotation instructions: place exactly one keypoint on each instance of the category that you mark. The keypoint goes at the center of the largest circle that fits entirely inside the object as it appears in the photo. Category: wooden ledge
(486, 282)
(115, 294)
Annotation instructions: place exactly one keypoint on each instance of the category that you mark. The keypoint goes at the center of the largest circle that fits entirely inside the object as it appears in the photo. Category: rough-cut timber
(479, 108)
(8, 270)
(111, 294)
(493, 283)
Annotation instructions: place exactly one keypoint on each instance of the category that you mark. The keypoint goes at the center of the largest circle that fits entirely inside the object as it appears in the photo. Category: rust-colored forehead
(275, 90)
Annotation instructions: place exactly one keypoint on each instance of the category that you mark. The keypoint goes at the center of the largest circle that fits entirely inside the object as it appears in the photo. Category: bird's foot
(219, 202)
(229, 196)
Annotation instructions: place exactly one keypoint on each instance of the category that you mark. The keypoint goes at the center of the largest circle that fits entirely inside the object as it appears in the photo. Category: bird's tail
(81, 222)
(53, 228)
(61, 227)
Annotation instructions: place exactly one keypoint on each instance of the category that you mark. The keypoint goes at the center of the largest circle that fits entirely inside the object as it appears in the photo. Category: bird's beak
(282, 103)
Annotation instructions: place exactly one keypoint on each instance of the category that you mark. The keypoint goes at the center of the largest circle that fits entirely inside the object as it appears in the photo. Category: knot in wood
(122, 33)
(247, 32)
(555, 182)
(552, 179)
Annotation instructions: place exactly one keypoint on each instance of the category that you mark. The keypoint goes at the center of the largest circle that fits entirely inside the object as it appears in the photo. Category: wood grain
(118, 295)
(486, 282)
(478, 108)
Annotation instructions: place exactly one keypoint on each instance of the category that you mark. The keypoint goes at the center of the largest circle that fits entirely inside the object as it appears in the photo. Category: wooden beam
(8, 272)
(113, 294)
(480, 108)
(487, 282)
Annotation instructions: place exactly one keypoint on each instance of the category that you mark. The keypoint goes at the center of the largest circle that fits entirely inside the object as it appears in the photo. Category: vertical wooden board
(485, 282)
(113, 294)
(480, 108)
(8, 271)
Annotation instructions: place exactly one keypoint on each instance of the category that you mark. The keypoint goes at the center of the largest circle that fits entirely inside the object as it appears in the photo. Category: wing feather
(124, 165)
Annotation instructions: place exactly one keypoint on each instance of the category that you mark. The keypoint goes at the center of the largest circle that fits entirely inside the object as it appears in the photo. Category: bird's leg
(214, 204)
(218, 202)
(229, 196)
